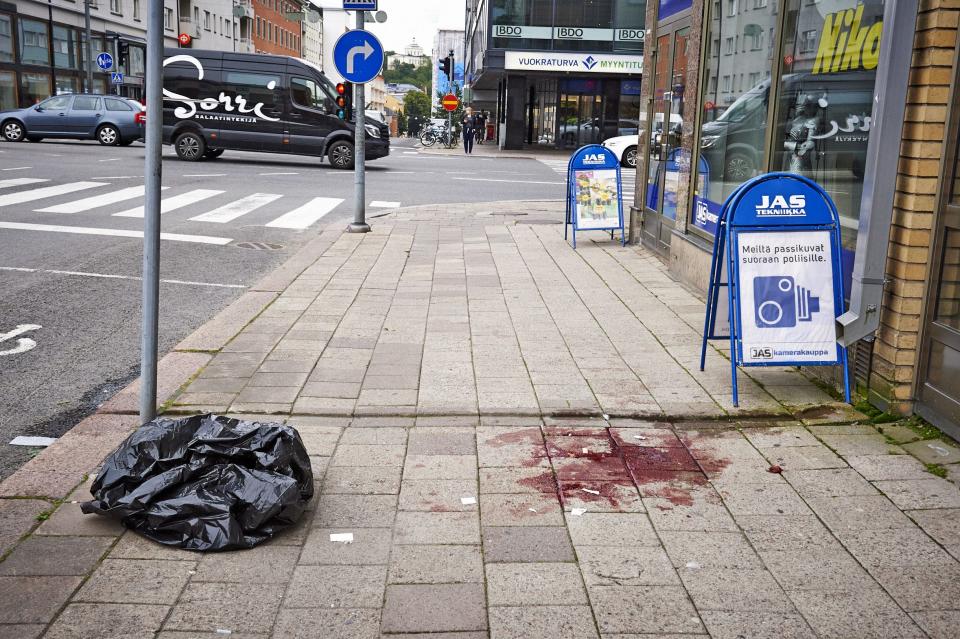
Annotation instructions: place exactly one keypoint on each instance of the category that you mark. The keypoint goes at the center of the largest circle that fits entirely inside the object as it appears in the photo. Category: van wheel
(213, 154)
(341, 155)
(739, 168)
(190, 147)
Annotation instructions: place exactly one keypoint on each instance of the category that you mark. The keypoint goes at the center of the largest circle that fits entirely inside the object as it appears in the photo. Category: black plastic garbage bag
(206, 482)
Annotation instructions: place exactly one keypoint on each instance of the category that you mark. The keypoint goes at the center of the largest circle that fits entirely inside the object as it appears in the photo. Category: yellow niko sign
(846, 44)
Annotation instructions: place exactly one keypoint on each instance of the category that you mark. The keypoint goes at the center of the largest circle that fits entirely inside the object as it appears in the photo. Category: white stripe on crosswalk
(173, 203)
(9, 184)
(81, 230)
(47, 191)
(233, 210)
(78, 206)
(307, 214)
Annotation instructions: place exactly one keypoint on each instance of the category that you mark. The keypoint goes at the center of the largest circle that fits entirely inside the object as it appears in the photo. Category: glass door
(939, 387)
(665, 162)
(580, 114)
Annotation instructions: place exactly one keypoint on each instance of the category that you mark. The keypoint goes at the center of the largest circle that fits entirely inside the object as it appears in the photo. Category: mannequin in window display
(802, 133)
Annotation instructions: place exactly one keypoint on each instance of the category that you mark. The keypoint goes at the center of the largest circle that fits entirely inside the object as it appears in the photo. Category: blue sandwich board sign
(594, 192)
(779, 235)
(358, 56)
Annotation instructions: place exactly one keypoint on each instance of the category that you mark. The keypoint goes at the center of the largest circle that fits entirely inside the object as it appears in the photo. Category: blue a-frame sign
(594, 192)
(780, 235)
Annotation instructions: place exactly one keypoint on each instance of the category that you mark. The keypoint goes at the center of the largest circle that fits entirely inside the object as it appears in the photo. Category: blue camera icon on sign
(780, 303)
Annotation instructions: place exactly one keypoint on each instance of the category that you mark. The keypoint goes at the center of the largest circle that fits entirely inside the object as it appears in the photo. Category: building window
(727, 87)
(6, 41)
(713, 84)
(136, 9)
(259, 32)
(731, 8)
(206, 20)
(730, 47)
(753, 37)
(116, 7)
(168, 18)
(808, 41)
(196, 16)
(34, 46)
(759, 4)
(716, 10)
(66, 44)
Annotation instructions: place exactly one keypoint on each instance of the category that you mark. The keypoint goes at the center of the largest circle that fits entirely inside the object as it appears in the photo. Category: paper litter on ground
(38, 442)
(468, 501)
(344, 538)
(578, 512)
(592, 492)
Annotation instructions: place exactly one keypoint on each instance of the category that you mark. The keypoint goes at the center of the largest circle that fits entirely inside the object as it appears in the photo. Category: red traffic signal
(344, 100)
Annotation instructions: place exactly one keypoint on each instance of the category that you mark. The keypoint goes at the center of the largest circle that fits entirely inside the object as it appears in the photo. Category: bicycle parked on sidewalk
(431, 134)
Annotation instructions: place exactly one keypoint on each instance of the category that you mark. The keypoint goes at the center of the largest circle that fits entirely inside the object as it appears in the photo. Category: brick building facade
(275, 29)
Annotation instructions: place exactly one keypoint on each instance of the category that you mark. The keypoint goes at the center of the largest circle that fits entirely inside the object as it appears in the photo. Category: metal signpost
(151, 215)
(594, 192)
(780, 233)
(359, 58)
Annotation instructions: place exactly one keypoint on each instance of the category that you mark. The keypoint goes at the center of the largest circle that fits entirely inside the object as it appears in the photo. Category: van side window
(254, 88)
(307, 93)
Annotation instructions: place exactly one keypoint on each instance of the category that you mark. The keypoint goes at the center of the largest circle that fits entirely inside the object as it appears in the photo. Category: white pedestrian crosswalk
(238, 208)
(173, 203)
(304, 216)
(21, 197)
(214, 206)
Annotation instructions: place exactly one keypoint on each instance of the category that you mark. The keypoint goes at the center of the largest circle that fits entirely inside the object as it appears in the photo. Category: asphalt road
(69, 266)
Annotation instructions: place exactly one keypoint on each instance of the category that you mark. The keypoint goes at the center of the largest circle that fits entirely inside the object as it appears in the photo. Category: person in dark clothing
(469, 123)
(481, 127)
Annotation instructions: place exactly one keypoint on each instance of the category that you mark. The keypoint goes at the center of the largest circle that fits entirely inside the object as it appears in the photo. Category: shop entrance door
(580, 114)
(664, 130)
(939, 370)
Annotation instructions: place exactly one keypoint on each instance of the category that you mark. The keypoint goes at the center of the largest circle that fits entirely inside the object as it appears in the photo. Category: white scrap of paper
(224, 631)
(36, 442)
(592, 492)
(468, 501)
(343, 538)
(692, 565)
(586, 450)
(578, 512)
(640, 437)
(533, 510)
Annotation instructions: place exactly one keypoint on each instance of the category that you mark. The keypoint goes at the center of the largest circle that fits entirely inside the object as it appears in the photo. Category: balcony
(243, 9)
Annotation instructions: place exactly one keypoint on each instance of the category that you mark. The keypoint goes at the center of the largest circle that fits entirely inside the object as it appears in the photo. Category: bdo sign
(780, 236)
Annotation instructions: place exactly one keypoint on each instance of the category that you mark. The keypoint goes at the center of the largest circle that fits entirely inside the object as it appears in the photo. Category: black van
(216, 101)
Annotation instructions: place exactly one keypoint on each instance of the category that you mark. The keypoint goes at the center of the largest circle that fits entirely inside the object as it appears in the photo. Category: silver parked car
(109, 119)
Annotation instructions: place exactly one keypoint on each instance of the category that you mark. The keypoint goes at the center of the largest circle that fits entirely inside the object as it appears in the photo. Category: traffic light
(446, 66)
(344, 100)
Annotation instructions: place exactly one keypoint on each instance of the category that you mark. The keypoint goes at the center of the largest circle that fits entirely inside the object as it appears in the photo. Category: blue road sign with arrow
(359, 5)
(358, 56)
(105, 61)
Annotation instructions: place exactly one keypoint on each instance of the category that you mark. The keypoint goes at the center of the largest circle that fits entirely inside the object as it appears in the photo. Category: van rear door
(251, 113)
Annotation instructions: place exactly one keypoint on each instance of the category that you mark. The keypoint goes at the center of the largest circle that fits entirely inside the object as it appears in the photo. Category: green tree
(416, 106)
(404, 73)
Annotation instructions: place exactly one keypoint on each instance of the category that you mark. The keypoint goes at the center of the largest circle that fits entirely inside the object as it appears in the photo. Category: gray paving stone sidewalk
(433, 369)
(484, 310)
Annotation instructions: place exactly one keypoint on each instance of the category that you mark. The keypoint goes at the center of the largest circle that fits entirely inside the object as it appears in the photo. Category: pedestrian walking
(481, 126)
(469, 123)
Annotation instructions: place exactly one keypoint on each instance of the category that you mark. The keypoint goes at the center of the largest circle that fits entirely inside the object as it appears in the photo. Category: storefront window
(522, 24)
(826, 100)
(629, 115)
(629, 20)
(137, 61)
(6, 39)
(65, 48)
(34, 47)
(34, 87)
(67, 85)
(735, 101)
(8, 91)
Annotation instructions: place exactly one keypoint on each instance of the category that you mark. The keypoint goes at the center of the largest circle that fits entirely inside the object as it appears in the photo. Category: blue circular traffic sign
(358, 56)
(105, 61)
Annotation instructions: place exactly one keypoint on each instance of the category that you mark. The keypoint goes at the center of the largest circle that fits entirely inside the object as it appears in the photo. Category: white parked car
(625, 148)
